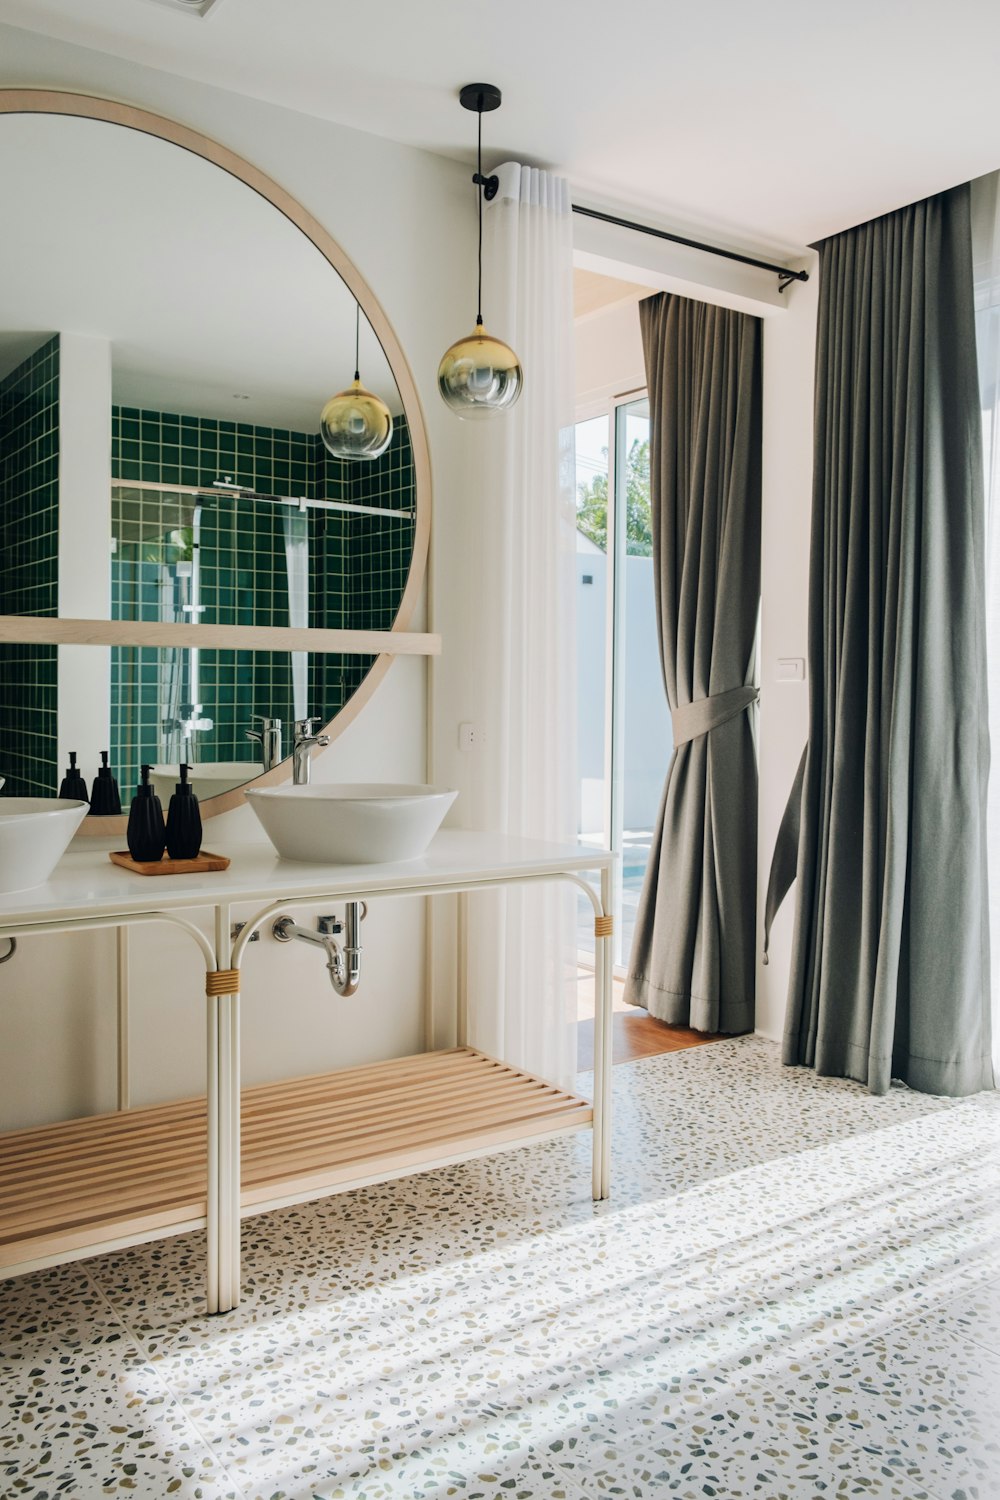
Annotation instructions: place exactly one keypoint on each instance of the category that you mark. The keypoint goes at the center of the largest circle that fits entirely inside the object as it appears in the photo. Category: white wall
(406, 218)
(609, 359)
(789, 354)
(84, 675)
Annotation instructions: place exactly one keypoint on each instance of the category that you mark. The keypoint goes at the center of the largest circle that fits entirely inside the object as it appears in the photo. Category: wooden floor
(636, 1034)
(639, 1036)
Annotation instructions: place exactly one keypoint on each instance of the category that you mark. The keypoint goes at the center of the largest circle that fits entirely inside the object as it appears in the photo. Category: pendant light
(480, 375)
(356, 424)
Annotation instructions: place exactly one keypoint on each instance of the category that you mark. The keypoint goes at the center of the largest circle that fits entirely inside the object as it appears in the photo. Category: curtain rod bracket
(489, 185)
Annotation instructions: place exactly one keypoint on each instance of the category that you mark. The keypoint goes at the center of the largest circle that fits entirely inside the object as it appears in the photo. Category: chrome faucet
(268, 737)
(303, 743)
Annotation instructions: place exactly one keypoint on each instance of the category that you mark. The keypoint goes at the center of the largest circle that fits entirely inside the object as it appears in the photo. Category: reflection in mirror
(168, 339)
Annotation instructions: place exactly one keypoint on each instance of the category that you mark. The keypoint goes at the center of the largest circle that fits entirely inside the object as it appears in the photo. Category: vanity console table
(103, 1182)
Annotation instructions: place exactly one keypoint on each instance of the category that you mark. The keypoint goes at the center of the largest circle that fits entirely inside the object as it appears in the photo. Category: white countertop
(86, 884)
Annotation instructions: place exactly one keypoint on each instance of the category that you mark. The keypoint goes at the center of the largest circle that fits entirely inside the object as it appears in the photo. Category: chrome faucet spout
(268, 737)
(302, 744)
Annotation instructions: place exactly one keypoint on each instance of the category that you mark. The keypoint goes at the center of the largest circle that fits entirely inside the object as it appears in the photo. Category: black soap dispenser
(73, 785)
(183, 821)
(105, 800)
(147, 837)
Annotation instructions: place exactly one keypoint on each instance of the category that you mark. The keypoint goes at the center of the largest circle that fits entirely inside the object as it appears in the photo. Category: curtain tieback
(691, 720)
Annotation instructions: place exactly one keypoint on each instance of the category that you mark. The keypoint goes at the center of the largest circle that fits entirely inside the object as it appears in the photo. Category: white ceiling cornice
(756, 126)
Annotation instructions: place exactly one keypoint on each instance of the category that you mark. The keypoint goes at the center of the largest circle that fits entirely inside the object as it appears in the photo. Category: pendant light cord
(479, 191)
(357, 340)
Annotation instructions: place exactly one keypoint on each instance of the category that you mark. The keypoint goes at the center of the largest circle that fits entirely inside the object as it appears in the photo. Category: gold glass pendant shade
(480, 376)
(356, 424)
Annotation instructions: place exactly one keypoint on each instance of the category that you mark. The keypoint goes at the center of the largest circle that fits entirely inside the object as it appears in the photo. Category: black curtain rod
(783, 274)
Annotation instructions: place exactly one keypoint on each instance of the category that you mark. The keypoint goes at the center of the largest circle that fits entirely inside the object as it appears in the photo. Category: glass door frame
(614, 655)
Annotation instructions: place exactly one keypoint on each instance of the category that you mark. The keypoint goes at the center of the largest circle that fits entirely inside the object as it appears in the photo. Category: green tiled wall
(358, 568)
(374, 553)
(29, 560)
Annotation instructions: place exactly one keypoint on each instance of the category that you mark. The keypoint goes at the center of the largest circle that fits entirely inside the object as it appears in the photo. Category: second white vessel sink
(209, 778)
(367, 823)
(34, 835)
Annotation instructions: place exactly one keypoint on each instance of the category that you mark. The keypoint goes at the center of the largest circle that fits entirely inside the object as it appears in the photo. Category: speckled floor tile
(473, 1467)
(922, 1393)
(737, 1321)
(732, 1451)
(83, 1413)
(975, 1315)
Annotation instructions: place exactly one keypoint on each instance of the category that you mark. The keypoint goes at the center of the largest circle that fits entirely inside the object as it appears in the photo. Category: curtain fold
(692, 956)
(890, 961)
(986, 270)
(521, 965)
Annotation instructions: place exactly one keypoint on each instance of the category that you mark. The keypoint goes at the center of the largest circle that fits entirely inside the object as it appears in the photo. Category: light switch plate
(790, 669)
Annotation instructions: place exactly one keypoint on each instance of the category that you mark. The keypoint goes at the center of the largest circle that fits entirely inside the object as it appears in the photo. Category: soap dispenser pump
(183, 820)
(105, 800)
(73, 785)
(147, 837)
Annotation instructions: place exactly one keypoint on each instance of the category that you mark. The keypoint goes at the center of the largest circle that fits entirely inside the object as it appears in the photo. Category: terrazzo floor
(795, 1291)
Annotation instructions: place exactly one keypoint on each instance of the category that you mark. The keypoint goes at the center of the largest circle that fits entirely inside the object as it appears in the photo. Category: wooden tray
(166, 866)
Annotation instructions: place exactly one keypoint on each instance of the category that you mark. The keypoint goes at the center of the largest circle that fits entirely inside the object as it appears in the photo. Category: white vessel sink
(34, 834)
(368, 823)
(209, 778)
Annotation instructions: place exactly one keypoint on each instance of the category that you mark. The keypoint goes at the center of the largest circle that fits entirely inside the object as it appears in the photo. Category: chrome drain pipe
(343, 963)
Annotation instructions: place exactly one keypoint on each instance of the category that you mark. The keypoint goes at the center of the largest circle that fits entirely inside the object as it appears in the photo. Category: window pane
(592, 607)
(642, 739)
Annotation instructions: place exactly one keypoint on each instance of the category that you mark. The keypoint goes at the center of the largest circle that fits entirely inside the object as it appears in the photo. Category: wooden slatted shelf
(109, 1180)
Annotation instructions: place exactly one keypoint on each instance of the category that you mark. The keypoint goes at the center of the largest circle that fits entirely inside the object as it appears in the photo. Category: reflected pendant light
(480, 375)
(356, 424)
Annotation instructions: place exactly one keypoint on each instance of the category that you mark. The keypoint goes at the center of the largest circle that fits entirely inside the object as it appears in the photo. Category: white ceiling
(768, 124)
(214, 303)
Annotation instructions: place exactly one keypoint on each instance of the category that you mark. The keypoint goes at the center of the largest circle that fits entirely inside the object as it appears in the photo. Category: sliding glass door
(624, 741)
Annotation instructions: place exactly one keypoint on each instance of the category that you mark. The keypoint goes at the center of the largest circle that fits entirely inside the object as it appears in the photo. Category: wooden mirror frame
(386, 645)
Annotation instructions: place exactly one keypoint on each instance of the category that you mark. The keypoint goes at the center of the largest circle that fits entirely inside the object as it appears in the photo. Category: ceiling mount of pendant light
(355, 424)
(480, 375)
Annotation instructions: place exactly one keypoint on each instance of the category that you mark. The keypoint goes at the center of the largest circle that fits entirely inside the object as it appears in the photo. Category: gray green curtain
(692, 958)
(890, 962)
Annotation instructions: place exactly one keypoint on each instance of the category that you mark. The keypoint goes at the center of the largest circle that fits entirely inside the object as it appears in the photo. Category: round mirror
(171, 326)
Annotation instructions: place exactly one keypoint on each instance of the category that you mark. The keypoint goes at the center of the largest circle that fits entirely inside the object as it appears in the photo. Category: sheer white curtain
(986, 255)
(522, 947)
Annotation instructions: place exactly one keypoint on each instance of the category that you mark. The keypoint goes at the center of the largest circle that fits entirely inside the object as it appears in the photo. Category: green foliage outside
(592, 504)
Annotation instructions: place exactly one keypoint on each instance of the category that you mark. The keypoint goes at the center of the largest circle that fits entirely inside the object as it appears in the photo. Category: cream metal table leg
(223, 1281)
(462, 991)
(124, 1086)
(603, 1014)
(212, 1003)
